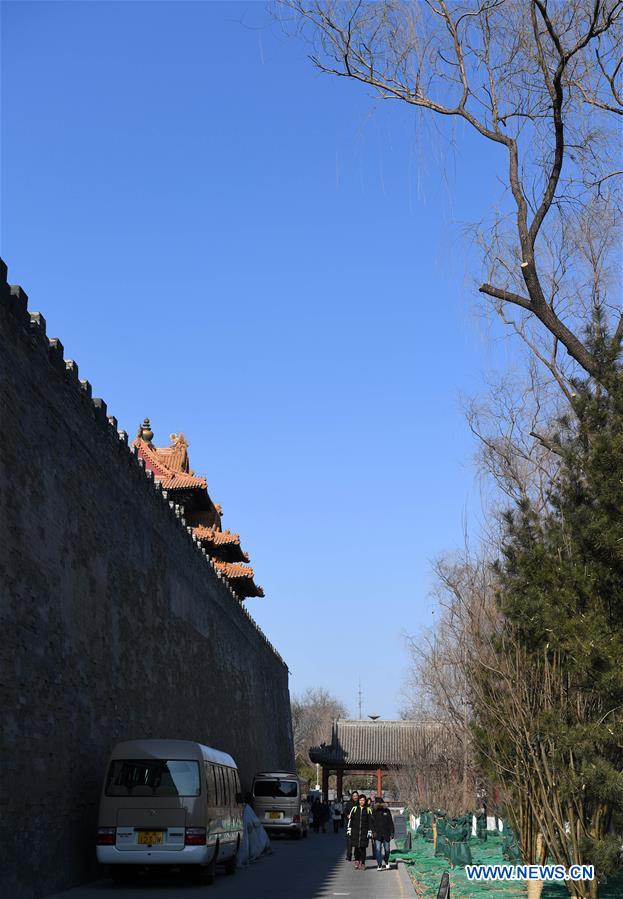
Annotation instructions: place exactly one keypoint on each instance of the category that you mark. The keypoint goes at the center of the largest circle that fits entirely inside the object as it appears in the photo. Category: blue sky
(273, 262)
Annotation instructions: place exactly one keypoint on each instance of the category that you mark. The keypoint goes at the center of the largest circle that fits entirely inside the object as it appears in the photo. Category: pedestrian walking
(316, 811)
(383, 831)
(336, 814)
(350, 805)
(325, 815)
(360, 830)
(343, 801)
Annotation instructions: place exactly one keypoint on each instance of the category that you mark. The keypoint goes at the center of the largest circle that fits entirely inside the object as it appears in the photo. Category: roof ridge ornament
(145, 432)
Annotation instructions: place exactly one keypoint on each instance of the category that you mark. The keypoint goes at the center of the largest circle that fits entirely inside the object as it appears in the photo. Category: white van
(280, 802)
(169, 802)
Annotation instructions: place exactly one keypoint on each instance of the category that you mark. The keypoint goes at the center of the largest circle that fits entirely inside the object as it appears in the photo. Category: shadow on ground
(307, 869)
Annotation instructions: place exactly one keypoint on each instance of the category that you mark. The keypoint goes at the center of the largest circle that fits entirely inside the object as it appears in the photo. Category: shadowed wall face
(114, 625)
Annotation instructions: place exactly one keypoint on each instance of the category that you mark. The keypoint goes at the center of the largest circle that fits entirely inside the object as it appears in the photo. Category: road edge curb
(404, 876)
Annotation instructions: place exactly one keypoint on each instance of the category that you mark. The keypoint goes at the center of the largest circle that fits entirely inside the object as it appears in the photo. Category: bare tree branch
(523, 83)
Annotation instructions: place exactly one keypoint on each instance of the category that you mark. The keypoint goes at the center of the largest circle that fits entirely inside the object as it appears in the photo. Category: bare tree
(476, 658)
(312, 715)
(517, 452)
(542, 81)
(462, 666)
(434, 778)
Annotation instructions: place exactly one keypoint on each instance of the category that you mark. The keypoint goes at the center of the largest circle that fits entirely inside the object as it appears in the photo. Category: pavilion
(378, 746)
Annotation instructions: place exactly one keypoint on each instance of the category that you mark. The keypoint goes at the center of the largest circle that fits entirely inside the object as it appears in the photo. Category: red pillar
(325, 784)
(339, 787)
(379, 781)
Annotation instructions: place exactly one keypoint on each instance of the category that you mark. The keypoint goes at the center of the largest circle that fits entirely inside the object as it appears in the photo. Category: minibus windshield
(273, 789)
(153, 777)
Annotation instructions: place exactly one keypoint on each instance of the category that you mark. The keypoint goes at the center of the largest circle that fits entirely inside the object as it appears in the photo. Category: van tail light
(296, 819)
(106, 836)
(195, 836)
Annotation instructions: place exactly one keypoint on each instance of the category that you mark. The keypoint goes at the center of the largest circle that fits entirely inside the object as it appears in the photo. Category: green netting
(426, 870)
(510, 846)
(442, 848)
(611, 889)
(425, 829)
(481, 825)
(460, 854)
(457, 834)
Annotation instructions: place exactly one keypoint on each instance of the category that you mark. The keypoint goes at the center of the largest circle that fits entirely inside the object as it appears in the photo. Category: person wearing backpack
(350, 805)
(360, 831)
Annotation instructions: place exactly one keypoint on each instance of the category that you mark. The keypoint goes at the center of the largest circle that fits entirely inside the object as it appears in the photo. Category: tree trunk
(535, 887)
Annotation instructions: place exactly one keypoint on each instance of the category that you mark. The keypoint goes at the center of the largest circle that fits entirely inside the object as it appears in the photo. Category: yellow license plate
(151, 837)
(275, 815)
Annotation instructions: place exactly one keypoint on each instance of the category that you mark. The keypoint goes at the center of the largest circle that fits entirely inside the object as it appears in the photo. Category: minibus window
(223, 786)
(217, 795)
(153, 777)
(232, 786)
(276, 789)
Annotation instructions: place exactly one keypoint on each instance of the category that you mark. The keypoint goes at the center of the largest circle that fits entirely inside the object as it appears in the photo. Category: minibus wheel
(209, 871)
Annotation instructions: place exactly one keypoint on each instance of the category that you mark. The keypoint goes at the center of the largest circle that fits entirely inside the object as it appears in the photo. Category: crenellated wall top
(31, 328)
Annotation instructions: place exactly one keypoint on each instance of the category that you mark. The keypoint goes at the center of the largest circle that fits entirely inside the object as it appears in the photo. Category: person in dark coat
(349, 806)
(325, 815)
(383, 831)
(337, 807)
(316, 811)
(360, 829)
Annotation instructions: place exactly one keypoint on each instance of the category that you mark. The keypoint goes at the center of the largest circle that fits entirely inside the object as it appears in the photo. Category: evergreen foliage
(560, 592)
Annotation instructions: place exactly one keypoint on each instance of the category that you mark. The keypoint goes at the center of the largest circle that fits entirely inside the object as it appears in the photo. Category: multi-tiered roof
(170, 465)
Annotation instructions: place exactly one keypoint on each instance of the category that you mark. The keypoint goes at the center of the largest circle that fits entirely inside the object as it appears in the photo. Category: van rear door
(276, 800)
(153, 796)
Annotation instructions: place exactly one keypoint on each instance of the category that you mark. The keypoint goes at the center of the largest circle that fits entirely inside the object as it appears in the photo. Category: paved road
(315, 868)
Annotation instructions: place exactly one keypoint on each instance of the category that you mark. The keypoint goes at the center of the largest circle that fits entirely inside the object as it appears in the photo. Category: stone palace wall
(114, 623)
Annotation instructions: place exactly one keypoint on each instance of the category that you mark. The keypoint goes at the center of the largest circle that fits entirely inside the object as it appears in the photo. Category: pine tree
(561, 596)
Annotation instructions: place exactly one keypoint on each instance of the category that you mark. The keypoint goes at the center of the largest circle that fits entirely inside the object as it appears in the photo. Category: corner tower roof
(171, 467)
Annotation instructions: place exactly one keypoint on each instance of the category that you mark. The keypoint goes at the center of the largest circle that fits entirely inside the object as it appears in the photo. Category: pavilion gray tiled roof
(378, 743)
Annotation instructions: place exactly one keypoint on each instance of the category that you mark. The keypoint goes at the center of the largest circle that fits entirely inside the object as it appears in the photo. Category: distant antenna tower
(360, 699)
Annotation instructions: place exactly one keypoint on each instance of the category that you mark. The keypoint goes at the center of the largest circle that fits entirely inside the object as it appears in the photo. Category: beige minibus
(280, 802)
(169, 802)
